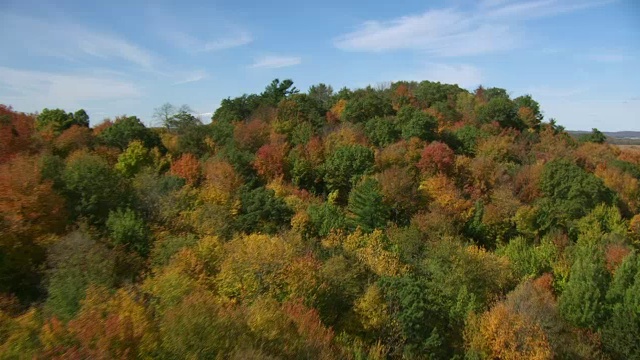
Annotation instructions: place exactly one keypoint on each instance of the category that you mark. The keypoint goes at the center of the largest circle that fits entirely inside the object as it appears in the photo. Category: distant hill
(615, 137)
(614, 134)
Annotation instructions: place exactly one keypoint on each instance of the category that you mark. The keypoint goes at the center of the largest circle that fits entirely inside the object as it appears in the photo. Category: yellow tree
(503, 334)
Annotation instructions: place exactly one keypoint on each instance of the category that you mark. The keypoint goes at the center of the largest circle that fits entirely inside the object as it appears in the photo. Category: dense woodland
(414, 221)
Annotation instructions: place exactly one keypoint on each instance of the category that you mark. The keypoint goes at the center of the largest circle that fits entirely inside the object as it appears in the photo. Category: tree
(81, 118)
(346, 165)
(133, 159)
(188, 168)
(570, 193)
(321, 93)
(622, 329)
(437, 157)
(325, 218)
(163, 113)
(251, 135)
(416, 123)
(127, 228)
(236, 109)
(30, 212)
(501, 110)
(596, 136)
(277, 90)
(467, 138)
(126, 129)
(382, 131)
(365, 105)
(403, 95)
(255, 266)
(399, 189)
(270, 160)
(528, 111)
(28, 202)
(58, 120)
(93, 188)
(503, 334)
(77, 262)
(529, 260)
(262, 211)
(199, 327)
(72, 139)
(16, 130)
(428, 93)
(583, 300)
(107, 326)
(366, 207)
(421, 319)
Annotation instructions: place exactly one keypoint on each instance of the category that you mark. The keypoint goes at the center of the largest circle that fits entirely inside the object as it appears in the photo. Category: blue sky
(578, 58)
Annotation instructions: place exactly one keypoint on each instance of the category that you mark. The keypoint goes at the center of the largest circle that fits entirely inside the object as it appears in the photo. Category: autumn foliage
(413, 220)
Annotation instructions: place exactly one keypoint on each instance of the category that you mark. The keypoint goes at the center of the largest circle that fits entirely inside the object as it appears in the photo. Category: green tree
(133, 159)
(527, 260)
(77, 261)
(621, 331)
(595, 136)
(416, 123)
(417, 308)
(501, 110)
(191, 133)
(382, 131)
(236, 109)
(126, 129)
(58, 120)
(326, 217)
(262, 211)
(366, 104)
(181, 120)
(277, 91)
(366, 206)
(303, 173)
(346, 165)
(428, 92)
(466, 139)
(81, 118)
(93, 188)
(570, 193)
(127, 228)
(322, 93)
(583, 300)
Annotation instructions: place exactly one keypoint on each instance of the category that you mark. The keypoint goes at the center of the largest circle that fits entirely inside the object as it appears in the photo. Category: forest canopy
(417, 220)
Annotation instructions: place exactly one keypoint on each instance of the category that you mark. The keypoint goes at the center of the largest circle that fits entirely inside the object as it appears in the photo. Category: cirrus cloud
(492, 26)
(275, 62)
(35, 90)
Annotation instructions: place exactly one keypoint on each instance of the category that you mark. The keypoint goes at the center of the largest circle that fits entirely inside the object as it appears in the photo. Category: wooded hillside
(414, 221)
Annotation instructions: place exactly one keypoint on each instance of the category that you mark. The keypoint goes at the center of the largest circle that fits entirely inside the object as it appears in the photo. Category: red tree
(270, 160)
(187, 167)
(437, 157)
(16, 130)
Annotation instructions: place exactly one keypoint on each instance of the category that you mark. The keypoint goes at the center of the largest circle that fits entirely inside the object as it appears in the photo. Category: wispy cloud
(491, 26)
(192, 44)
(72, 41)
(38, 89)
(192, 76)
(275, 61)
(521, 10)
